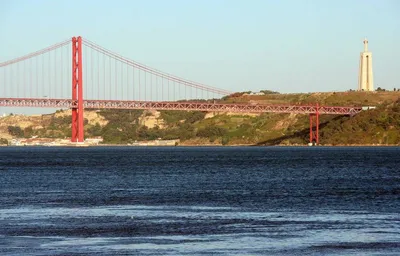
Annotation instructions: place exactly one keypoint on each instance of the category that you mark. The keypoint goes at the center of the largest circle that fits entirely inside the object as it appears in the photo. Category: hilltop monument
(365, 76)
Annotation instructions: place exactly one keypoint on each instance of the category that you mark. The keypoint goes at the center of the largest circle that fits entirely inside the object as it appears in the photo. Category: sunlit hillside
(377, 126)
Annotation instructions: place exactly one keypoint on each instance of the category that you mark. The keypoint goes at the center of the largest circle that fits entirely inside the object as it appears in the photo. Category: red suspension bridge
(102, 79)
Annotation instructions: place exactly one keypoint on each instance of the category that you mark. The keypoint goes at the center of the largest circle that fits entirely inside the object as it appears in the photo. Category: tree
(3, 141)
(28, 132)
(269, 92)
(211, 131)
(15, 131)
(95, 130)
(112, 136)
(195, 116)
(225, 140)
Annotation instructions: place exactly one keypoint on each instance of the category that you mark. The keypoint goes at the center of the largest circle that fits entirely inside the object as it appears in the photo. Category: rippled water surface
(199, 201)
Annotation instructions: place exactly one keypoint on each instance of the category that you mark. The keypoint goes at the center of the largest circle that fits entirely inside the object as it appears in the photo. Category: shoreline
(201, 145)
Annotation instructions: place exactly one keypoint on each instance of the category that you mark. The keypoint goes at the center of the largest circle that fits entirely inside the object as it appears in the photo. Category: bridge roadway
(179, 105)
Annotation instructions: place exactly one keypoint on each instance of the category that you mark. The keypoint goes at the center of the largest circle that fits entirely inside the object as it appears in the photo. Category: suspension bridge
(78, 74)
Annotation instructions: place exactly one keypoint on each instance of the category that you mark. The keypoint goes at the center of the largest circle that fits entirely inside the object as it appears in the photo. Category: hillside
(378, 126)
(350, 98)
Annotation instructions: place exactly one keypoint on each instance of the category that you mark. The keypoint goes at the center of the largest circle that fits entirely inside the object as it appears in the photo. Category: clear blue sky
(286, 45)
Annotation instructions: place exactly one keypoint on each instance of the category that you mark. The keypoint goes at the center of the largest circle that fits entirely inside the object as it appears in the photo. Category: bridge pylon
(77, 91)
(314, 121)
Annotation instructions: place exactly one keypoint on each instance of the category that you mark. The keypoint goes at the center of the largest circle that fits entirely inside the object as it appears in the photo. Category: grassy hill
(350, 98)
(378, 126)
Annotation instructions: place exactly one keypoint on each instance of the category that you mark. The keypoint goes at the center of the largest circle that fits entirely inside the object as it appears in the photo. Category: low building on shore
(156, 143)
(94, 141)
(38, 142)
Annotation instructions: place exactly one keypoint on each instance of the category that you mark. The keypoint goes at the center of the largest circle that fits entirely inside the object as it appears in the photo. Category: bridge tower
(314, 121)
(77, 91)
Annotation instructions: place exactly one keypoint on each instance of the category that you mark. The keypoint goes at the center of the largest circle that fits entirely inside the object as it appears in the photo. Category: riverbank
(200, 145)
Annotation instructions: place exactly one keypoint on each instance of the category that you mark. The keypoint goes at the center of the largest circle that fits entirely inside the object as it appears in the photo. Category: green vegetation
(3, 141)
(15, 131)
(269, 92)
(174, 117)
(377, 126)
(121, 128)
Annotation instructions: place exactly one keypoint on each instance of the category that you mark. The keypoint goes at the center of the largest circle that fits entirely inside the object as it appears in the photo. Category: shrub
(212, 131)
(225, 140)
(15, 131)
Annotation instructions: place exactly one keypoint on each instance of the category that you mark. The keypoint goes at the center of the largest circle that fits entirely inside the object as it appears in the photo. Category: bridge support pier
(77, 91)
(314, 121)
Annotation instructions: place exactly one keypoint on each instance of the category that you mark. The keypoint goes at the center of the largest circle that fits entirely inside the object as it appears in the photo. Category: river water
(199, 201)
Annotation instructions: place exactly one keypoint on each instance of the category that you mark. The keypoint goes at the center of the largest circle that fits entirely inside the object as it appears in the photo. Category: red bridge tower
(77, 91)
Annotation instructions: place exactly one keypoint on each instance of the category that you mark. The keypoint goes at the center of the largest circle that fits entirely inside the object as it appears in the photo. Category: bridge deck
(183, 106)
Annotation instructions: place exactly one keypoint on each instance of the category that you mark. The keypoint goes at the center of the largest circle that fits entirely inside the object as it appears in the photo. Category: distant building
(365, 76)
(94, 141)
(368, 107)
(253, 93)
(38, 142)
